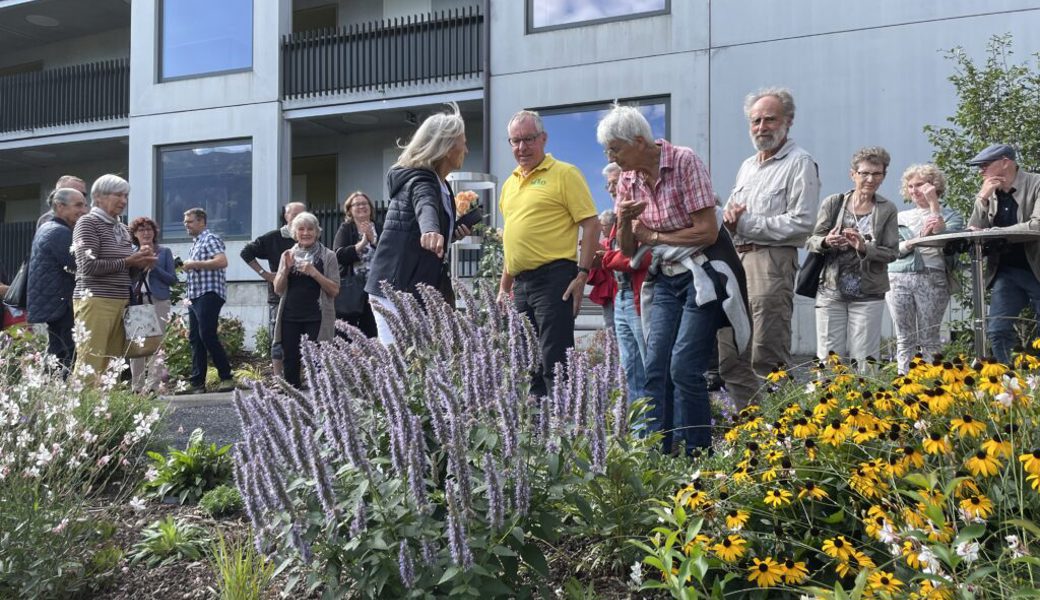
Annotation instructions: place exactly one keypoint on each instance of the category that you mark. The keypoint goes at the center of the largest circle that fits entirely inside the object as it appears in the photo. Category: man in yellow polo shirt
(543, 203)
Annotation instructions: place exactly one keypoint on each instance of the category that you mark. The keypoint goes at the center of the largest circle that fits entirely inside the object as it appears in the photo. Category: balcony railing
(15, 244)
(411, 50)
(64, 96)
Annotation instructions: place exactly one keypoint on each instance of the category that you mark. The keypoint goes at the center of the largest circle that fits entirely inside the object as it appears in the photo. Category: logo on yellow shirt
(538, 181)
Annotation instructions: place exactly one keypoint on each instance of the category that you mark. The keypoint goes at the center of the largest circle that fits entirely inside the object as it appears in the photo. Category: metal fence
(75, 94)
(15, 244)
(400, 51)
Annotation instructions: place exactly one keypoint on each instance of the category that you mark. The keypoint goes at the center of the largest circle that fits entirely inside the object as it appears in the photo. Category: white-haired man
(771, 212)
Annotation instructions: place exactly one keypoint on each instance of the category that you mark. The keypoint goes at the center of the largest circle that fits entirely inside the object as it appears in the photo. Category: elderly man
(207, 291)
(65, 181)
(771, 212)
(604, 287)
(543, 203)
(1008, 200)
(52, 271)
(270, 247)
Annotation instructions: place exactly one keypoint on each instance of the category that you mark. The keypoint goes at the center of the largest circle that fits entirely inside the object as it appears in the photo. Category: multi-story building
(242, 105)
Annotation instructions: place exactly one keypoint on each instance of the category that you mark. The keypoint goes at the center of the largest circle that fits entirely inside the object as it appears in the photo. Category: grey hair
(65, 181)
(528, 114)
(871, 154)
(62, 196)
(929, 172)
(285, 209)
(623, 123)
(608, 215)
(304, 218)
(109, 184)
(610, 169)
(433, 140)
(780, 93)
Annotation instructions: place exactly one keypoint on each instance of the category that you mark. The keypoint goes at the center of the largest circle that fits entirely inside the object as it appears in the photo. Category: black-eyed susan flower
(977, 506)
(884, 582)
(699, 541)
(863, 560)
(778, 497)
(834, 433)
(737, 518)
(1031, 461)
(1034, 481)
(795, 572)
(997, 446)
(935, 443)
(862, 435)
(967, 426)
(929, 590)
(812, 491)
(981, 464)
(804, 428)
(777, 375)
(939, 400)
(768, 475)
(992, 385)
(838, 547)
(992, 368)
(731, 548)
(765, 572)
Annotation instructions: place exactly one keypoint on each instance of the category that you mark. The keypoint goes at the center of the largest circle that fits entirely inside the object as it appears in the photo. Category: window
(554, 14)
(201, 37)
(217, 177)
(572, 138)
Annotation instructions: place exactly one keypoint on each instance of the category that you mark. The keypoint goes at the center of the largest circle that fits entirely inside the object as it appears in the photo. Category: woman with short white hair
(420, 219)
(308, 282)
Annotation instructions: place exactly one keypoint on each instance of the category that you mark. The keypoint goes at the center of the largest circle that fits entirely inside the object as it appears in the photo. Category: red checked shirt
(683, 187)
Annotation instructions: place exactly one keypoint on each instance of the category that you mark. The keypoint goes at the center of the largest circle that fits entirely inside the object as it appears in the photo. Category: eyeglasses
(871, 174)
(527, 139)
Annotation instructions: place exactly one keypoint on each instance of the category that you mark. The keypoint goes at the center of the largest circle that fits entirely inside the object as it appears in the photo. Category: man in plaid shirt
(207, 291)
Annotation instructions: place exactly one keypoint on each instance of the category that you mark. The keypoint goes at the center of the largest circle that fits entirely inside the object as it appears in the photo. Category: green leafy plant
(492, 257)
(221, 501)
(262, 343)
(188, 474)
(242, 573)
(177, 350)
(168, 540)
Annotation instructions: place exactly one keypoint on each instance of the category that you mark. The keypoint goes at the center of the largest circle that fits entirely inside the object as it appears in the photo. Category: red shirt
(683, 187)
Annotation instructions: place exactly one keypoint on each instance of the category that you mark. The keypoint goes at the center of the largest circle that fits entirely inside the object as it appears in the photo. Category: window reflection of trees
(217, 178)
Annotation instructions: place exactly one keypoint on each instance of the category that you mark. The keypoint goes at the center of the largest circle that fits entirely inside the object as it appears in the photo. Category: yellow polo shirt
(541, 214)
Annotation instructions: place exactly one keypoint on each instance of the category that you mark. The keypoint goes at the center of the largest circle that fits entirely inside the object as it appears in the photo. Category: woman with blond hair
(920, 278)
(355, 245)
(420, 221)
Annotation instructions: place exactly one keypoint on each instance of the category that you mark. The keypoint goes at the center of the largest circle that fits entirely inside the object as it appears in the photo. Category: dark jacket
(269, 247)
(346, 236)
(51, 272)
(416, 207)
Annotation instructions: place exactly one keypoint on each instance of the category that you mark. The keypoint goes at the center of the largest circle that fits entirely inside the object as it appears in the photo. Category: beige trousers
(770, 275)
(103, 318)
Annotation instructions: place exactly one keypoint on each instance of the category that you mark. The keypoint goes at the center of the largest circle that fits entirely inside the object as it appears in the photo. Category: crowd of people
(688, 282)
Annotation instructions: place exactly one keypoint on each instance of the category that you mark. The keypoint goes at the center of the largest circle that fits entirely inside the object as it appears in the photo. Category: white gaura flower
(89, 253)
(42, 456)
(810, 388)
(929, 562)
(636, 573)
(1011, 383)
(969, 551)
(80, 333)
(60, 526)
(151, 475)
(1004, 399)
(1016, 546)
(138, 504)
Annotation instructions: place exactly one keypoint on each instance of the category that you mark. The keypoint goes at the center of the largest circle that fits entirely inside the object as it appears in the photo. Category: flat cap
(991, 153)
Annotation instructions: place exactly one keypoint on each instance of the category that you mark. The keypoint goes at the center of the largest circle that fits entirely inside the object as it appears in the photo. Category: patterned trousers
(917, 302)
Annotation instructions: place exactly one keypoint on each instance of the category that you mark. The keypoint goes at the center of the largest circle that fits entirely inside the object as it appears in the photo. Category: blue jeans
(203, 315)
(1013, 288)
(680, 345)
(631, 345)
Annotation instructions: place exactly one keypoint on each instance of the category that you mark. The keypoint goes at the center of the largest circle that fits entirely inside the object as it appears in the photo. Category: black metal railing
(401, 51)
(15, 244)
(75, 94)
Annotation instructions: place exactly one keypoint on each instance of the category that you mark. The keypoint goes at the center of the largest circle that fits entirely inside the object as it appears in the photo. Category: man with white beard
(770, 212)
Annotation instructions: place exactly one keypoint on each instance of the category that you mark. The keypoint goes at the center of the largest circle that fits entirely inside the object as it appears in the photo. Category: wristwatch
(583, 270)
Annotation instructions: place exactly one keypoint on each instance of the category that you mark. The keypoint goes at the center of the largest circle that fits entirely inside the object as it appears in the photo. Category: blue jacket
(52, 268)
(416, 207)
(162, 275)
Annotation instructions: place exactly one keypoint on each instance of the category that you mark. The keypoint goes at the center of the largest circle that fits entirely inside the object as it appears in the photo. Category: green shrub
(221, 501)
(168, 540)
(242, 572)
(187, 475)
(178, 351)
(262, 343)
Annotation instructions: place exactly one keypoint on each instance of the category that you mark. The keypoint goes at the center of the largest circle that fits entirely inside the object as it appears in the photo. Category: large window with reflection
(214, 176)
(555, 14)
(205, 37)
(572, 138)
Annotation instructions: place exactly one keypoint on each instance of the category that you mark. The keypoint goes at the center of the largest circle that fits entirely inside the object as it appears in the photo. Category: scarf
(310, 255)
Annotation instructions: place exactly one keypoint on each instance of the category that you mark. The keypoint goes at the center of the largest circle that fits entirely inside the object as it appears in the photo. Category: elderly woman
(105, 257)
(919, 278)
(666, 206)
(308, 281)
(604, 286)
(857, 231)
(421, 217)
(355, 245)
(155, 289)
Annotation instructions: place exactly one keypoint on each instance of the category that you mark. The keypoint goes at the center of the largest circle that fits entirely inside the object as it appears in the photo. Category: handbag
(351, 300)
(144, 329)
(808, 281)
(18, 292)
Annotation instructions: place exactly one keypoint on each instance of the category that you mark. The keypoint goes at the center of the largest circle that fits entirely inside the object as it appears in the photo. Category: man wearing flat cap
(1008, 200)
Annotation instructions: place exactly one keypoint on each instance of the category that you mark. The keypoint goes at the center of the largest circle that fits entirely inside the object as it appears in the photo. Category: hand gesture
(461, 231)
(434, 242)
(630, 209)
(732, 214)
(641, 232)
(142, 259)
(370, 232)
(990, 185)
(855, 239)
(836, 239)
(287, 261)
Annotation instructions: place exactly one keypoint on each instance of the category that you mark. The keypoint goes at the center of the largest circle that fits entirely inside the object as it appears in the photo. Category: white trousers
(850, 329)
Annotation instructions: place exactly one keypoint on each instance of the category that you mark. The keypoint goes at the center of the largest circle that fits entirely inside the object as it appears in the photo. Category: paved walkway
(214, 412)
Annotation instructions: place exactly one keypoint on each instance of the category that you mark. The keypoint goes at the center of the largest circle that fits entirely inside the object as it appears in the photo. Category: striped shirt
(101, 246)
(201, 281)
(683, 187)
